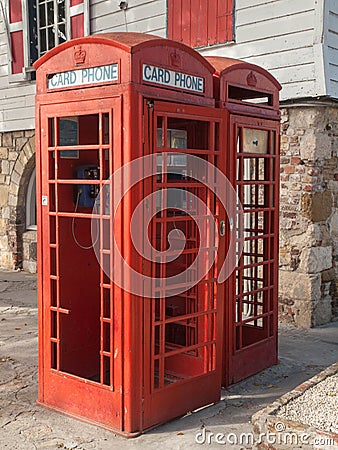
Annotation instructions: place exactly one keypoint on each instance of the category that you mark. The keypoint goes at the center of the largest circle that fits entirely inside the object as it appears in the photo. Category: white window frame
(24, 25)
(67, 23)
(10, 28)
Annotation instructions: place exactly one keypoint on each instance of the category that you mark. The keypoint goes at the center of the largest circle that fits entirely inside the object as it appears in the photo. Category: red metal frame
(75, 349)
(185, 331)
(251, 316)
(96, 342)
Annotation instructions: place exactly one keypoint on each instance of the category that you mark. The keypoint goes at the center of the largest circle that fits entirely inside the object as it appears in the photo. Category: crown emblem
(175, 60)
(79, 57)
(251, 79)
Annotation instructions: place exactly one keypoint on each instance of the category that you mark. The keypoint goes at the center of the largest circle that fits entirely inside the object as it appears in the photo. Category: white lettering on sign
(171, 78)
(91, 75)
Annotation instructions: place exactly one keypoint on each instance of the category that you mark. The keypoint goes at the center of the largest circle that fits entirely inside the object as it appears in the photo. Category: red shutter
(16, 30)
(79, 18)
(200, 22)
(225, 24)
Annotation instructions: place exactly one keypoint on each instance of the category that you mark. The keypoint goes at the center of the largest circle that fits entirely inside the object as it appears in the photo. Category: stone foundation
(17, 161)
(309, 214)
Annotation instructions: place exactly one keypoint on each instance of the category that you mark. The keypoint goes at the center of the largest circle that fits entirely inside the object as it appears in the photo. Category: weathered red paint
(97, 357)
(16, 37)
(109, 357)
(77, 26)
(17, 51)
(250, 345)
(15, 11)
(202, 23)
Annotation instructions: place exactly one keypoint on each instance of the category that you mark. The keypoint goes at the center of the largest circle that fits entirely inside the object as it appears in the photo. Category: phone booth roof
(236, 81)
(121, 58)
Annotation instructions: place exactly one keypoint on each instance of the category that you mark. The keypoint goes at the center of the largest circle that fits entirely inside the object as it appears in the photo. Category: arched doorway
(29, 254)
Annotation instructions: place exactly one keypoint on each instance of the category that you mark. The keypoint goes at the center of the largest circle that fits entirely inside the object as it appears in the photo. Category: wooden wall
(297, 41)
(280, 36)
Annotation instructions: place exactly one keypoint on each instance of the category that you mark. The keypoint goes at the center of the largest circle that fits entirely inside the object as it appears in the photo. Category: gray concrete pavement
(26, 426)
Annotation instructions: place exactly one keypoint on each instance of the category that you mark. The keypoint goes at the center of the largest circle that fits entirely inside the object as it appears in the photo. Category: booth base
(125, 434)
(257, 357)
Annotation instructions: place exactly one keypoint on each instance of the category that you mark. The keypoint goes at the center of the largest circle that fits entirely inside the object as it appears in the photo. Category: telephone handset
(85, 194)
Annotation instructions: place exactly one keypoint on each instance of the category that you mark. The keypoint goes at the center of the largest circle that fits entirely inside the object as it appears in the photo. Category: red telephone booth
(109, 353)
(250, 97)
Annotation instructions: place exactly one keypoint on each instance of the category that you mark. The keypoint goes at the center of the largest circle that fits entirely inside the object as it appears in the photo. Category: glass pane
(53, 331)
(53, 355)
(43, 43)
(79, 130)
(50, 13)
(42, 16)
(62, 33)
(105, 128)
(105, 231)
(273, 141)
(106, 371)
(51, 132)
(217, 136)
(61, 11)
(52, 229)
(69, 131)
(53, 261)
(106, 337)
(53, 293)
(160, 126)
(175, 138)
(106, 303)
(104, 197)
(51, 37)
(192, 134)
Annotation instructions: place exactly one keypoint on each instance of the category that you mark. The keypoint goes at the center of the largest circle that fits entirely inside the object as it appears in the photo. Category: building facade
(296, 41)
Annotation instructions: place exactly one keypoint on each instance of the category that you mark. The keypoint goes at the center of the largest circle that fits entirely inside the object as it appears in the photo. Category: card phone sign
(87, 193)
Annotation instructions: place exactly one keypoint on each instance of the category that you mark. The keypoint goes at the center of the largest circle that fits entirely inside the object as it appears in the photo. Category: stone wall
(17, 161)
(309, 214)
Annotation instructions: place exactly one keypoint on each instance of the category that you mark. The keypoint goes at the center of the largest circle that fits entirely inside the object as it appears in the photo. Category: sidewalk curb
(265, 422)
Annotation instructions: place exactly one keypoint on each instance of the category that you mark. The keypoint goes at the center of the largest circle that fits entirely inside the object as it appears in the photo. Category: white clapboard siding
(143, 16)
(296, 40)
(331, 47)
(17, 99)
(280, 36)
(266, 10)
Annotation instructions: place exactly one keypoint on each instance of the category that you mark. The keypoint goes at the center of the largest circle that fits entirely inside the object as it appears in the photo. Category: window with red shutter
(51, 24)
(79, 18)
(16, 27)
(36, 26)
(200, 23)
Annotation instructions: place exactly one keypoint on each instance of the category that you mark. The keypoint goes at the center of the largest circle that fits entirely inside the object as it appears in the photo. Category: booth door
(80, 354)
(251, 320)
(183, 323)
